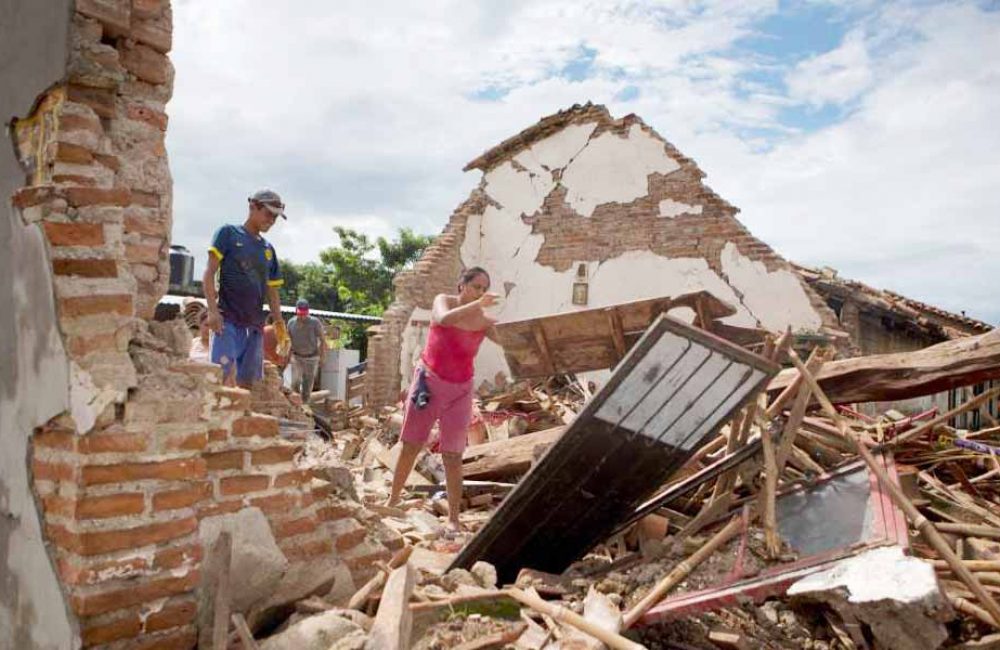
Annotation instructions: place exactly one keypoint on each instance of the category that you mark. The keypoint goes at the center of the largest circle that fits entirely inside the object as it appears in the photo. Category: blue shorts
(243, 346)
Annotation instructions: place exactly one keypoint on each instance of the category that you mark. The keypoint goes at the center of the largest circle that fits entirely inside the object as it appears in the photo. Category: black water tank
(181, 266)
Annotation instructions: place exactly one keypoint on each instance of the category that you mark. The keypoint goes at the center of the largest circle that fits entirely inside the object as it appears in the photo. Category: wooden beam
(617, 332)
(394, 620)
(543, 346)
(222, 552)
(503, 458)
(952, 364)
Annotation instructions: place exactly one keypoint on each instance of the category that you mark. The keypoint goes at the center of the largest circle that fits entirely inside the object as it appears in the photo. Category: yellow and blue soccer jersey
(247, 266)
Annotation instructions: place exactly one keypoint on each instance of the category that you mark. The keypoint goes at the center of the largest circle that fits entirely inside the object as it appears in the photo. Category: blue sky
(859, 135)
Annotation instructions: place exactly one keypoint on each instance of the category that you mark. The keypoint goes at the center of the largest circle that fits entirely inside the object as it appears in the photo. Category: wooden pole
(970, 530)
(681, 571)
(243, 630)
(222, 551)
(975, 402)
(564, 615)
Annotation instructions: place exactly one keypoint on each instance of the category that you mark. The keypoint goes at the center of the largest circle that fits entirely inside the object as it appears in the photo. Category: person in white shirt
(200, 346)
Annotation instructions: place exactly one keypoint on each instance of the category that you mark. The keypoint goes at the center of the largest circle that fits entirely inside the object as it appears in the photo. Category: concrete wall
(34, 373)
(610, 203)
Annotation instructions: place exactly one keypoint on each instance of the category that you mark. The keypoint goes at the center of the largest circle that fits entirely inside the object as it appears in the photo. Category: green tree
(354, 277)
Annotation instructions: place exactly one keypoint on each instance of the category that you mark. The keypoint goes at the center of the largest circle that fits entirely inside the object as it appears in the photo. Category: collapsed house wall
(117, 450)
(584, 202)
(34, 375)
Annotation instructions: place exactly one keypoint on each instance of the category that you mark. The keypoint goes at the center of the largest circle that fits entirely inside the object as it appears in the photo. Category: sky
(858, 135)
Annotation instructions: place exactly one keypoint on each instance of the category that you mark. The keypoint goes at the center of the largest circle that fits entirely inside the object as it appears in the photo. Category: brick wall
(153, 444)
(568, 237)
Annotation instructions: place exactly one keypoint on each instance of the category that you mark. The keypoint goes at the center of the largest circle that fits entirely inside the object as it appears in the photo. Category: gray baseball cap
(270, 200)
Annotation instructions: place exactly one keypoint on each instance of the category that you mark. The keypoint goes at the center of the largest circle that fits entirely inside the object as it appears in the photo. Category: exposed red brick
(120, 628)
(294, 527)
(111, 162)
(148, 115)
(53, 504)
(255, 425)
(111, 505)
(173, 615)
(74, 233)
(182, 498)
(100, 443)
(350, 539)
(225, 460)
(101, 100)
(62, 537)
(298, 477)
(27, 197)
(302, 551)
(170, 470)
(276, 503)
(69, 122)
(216, 435)
(220, 508)
(146, 199)
(146, 63)
(120, 304)
(142, 253)
(83, 196)
(332, 513)
(187, 442)
(104, 571)
(172, 558)
(242, 484)
(155, 33)
(272, 455)
(73, 153)
(95, 543)
(148, 9)
(114, 14)
(184, 638)
(52, 471)
(85, 268)
(81, 346)
(144, 225)
(55, 438)
(100, 602)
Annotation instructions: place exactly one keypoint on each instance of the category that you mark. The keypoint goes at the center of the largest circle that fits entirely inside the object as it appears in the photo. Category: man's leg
(309, 368)
(250, 364)
(225, 349)
(296, 374)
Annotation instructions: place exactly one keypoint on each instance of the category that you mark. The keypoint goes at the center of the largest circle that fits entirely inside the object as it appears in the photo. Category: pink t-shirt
(450, 351)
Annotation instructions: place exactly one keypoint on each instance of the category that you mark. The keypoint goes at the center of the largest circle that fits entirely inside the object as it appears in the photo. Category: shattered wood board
(591, 339)
(675, 388)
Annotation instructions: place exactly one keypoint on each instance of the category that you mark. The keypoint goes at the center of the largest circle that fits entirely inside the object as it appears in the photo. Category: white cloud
(364, 114)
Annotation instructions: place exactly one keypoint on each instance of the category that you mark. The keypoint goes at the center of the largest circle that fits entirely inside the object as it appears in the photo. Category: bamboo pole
(966, 607)
(970, 530)
(564, 615)
(681, 571)
(921, 523)
(975, 402)
(971, 565)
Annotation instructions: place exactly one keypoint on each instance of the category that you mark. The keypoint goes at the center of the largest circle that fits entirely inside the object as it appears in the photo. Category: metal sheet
(674, 389)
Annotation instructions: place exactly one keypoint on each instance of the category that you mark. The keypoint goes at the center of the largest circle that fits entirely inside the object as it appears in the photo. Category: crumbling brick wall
(581, 196)
(151, 444)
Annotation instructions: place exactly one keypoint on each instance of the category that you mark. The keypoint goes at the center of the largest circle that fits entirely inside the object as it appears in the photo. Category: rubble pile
(798, 524)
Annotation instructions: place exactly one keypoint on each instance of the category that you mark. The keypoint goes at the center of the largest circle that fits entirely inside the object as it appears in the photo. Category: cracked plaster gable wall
(34, 374)
(615, 197)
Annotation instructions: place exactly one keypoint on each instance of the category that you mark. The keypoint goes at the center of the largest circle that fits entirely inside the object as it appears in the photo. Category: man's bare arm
(211, 297)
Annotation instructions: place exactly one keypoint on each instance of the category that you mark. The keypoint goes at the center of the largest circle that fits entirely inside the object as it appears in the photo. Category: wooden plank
(903, 375)
(585, 340)
(222, 551)
(394, 620)
(503, 458)
(617, 332)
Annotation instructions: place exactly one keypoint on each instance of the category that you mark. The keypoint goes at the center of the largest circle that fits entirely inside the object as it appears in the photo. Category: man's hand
(284, 342)
(214, 321)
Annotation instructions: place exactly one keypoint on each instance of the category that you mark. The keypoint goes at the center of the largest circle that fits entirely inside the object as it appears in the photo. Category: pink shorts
(450, 406)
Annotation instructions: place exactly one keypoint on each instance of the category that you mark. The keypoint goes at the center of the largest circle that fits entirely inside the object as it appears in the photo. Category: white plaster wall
(777, 298)
(608, 168)
(613, 169)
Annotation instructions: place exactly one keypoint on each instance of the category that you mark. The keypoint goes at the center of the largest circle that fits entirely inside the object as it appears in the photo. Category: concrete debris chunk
(897, 596)
(318, 632)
